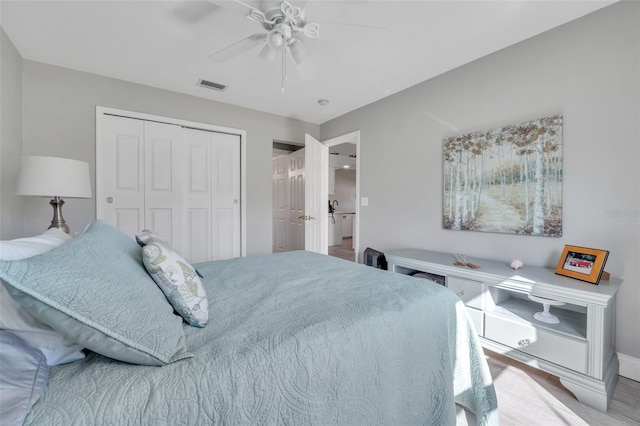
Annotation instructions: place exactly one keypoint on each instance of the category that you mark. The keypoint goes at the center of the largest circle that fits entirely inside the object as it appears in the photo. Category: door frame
(354, 138)
(103, 111)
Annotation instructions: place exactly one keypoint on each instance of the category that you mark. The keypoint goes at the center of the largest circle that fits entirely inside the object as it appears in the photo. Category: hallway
(343, 251)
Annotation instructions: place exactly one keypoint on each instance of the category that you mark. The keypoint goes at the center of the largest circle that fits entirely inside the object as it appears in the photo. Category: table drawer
(554, 347)
(477, 318)
(471, 292)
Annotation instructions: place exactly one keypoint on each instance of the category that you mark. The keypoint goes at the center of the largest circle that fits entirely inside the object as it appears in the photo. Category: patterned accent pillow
(145, 235)
(178, 280)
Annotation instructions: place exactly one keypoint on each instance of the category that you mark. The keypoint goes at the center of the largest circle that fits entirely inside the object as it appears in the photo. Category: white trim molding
(629, 367)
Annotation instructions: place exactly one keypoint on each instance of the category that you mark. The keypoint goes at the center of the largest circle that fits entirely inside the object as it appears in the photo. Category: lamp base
(58, 220)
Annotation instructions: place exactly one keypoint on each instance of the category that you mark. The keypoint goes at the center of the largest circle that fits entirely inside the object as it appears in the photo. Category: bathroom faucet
(335, 203)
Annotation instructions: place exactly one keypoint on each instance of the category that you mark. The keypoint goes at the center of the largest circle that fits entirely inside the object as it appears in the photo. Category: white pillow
(23, 378)
(23, 248)
(15, 318)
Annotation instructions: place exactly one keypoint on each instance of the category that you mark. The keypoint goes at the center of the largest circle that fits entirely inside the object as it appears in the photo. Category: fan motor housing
(273, 12)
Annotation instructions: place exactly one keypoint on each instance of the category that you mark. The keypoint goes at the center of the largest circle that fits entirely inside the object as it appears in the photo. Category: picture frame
(582, 263)
(505, 180)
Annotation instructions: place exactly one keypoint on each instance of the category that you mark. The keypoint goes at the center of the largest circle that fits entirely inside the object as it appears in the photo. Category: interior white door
(280, 202)
(316, 190)
(296, 234)
(194, 201)
(165, 183)
(225, 166)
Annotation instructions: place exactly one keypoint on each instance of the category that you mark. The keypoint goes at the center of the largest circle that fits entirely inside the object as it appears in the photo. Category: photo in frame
(582, 263)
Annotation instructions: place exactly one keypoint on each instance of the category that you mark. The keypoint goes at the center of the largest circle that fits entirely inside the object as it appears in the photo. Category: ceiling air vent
(211, 85)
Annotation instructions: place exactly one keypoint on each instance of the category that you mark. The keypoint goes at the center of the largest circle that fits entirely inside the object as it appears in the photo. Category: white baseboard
(629, 367)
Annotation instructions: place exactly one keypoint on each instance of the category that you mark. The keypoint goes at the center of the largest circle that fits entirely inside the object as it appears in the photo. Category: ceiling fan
(285, 25)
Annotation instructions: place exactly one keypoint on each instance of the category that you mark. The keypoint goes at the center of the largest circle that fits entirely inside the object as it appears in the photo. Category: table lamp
(54, 177)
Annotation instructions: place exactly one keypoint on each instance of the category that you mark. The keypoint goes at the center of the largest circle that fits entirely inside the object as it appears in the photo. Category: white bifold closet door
(182, 183)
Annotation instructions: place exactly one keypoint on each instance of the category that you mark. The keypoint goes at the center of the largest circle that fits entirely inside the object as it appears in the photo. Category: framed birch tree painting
(506, 180)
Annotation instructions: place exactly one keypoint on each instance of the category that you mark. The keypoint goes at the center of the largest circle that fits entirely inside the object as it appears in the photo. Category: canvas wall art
(505, 180)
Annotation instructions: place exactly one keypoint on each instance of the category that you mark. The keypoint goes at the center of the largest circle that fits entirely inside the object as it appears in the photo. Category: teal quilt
(298, 339)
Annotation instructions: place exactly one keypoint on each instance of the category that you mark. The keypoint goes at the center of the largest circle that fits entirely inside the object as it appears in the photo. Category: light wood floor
(343, 251)
(527, 396)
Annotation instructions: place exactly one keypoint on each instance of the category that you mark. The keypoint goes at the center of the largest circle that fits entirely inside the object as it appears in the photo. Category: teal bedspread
(295, 338)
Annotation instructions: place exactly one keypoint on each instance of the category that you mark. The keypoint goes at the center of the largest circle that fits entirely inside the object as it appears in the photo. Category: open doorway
(288, 196)
(344, 196)
(342, 200)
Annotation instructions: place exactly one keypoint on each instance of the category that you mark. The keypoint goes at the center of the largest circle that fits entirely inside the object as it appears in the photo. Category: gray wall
(59, 119)
(586, 70)
(10, 138)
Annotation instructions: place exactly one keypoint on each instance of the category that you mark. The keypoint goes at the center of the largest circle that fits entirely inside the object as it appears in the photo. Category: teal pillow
(95, 291)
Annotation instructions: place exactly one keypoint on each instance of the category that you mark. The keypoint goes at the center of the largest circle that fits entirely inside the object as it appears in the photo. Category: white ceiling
(366, 50)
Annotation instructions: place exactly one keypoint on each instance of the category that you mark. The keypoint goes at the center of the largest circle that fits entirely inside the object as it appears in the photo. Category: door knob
(109, 200)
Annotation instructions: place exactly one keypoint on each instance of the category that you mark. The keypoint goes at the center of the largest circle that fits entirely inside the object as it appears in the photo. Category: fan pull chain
(284, 67)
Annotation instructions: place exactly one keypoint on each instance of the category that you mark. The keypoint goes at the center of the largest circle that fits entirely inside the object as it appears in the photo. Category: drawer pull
(524, 343)
(460, 293)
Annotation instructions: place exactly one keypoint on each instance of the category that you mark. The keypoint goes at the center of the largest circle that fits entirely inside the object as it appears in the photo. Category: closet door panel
(225, 160)
(224, 242)
(120, 174)
(196, 194)
(161, 165)
(199, 225)
(160, 220)
(163, 181)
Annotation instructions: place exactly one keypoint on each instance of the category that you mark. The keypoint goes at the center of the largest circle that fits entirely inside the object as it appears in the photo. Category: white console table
(579, 349)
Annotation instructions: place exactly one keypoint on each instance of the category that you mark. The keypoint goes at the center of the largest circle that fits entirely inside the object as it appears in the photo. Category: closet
(183, 183)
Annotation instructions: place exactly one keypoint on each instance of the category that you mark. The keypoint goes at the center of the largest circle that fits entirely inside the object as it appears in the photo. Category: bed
(292, 338)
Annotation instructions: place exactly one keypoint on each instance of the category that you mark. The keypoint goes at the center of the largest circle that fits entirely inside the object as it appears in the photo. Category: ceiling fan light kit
(280, 34)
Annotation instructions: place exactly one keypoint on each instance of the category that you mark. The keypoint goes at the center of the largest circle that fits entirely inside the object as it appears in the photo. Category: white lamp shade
(53, 176)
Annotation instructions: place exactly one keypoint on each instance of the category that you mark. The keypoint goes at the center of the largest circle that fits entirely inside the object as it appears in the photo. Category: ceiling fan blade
(301, 60)
(238, 47)
(342, 30)
(252, 11)
(306, 69)
(344, 24)
(192, 12)
(239, 5)
(247, 5)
